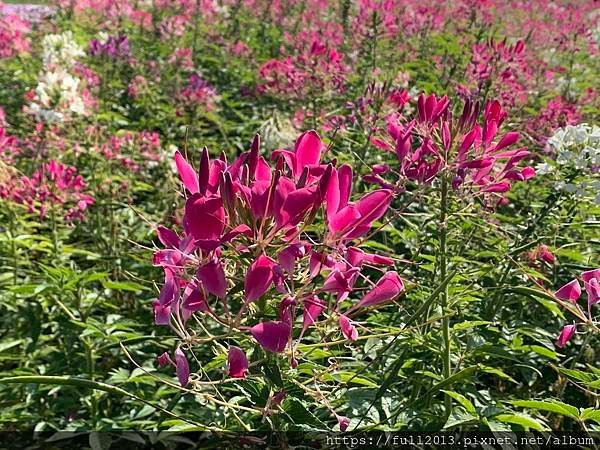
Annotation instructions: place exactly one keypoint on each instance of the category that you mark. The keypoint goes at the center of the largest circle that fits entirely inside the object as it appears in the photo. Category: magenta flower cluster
(53, 185)
(251, 238)
(478, 158)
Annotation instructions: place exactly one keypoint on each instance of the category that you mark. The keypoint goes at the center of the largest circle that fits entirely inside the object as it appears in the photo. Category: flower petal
(213, 278)
(182, 367)
(348, 330)
(389, 286)
(570, 291)
(204, 217)
(272, 336)
(565, 335)
(186, 173)
(308, 151)
(237, 362)
(258, 278)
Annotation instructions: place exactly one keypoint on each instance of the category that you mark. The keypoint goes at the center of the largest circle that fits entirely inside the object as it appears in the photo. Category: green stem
(13, 246)
(89, 353)
(444, 294)
(54, 232)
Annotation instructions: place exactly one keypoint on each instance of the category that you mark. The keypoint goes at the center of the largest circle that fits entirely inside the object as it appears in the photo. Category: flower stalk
(443, 265)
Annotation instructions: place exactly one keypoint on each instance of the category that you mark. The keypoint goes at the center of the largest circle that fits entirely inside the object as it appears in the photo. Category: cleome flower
(474, 155)
(264, 242)
(568, 296)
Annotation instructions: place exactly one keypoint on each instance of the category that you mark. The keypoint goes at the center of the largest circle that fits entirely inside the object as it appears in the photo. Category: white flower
(543, 169)
(57, 93)
(102, 37)
(60, 50)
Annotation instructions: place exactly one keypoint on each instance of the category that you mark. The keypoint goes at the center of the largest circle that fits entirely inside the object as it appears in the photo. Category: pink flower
(182, 367)
(258, 278)
(565, 335)
(237, 362)
(476, 156)
(272, 336)
(194, 299)
(204, 217)
(187, 173)
(213, 278)
(343, 422)
(591, 282)
(387, 288)
(54, 186)
(570, 291)
(313, 307)
(348, 329)
(164, 360)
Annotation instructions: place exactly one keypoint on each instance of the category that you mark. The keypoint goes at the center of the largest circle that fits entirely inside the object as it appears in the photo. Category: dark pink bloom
(287, 310)
(164, 360)
(272, 336)
(237, 362)
(565, 335)
(258, 278)
(213, 278)
(313, 307)
(387, 288)
(278, 397)
(591, 282)
(343, 422)
(186, 173)
(348, 329)
(546, 254)
(431, 109)
(194, 298)
(168, 237)
(204, 217)
(570, 291)
(182, 367)
(288, 256)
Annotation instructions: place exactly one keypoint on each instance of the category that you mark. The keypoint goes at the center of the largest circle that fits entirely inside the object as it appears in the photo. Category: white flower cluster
(577, 164)
(58, 93)
(60, 50)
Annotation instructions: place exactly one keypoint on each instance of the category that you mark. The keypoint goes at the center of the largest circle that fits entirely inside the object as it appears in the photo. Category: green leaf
(299, 414)
(498, 372)
(100, 441)
(523, 420)
(464, 401)
(550, 406)
(459, 417)
(579, 375)
(590, 414)
(469, 324)
(350, 378)
(124, 286)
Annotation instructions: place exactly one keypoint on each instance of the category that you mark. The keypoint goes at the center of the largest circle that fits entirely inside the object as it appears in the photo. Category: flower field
(315, 216)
